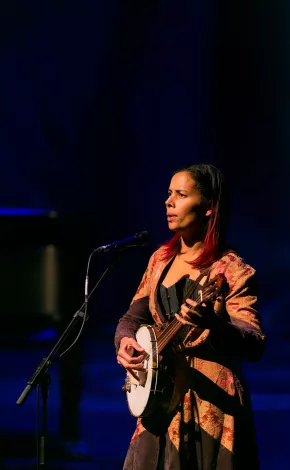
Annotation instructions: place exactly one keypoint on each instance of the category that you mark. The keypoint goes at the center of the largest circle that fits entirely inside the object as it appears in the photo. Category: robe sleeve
(138, 312)
(236, 328)
(239, 332)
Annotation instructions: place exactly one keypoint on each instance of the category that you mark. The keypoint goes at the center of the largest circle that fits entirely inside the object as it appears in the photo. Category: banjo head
(141, 392)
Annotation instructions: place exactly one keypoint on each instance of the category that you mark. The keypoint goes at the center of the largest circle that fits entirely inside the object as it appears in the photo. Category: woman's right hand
(125, 354)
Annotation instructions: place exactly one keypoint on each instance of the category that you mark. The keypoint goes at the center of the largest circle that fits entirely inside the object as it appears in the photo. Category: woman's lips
(170, 217)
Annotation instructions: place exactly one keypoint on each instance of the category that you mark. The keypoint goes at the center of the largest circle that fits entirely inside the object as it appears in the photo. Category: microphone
(139, 239)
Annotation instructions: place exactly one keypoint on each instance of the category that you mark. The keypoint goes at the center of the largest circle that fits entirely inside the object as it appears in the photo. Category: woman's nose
(169, 201)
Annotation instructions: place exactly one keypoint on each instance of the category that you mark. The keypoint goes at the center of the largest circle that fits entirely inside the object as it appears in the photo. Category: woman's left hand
(201, 317)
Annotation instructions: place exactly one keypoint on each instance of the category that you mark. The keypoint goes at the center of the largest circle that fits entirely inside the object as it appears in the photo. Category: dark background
(99, 102)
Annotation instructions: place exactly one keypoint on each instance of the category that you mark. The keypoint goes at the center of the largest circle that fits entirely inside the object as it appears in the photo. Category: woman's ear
(209, 212)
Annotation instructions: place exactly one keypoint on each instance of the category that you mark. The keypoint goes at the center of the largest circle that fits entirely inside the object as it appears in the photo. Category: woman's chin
(173, 228)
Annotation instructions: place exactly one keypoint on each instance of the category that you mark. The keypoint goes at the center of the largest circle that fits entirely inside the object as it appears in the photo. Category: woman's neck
(190, 248)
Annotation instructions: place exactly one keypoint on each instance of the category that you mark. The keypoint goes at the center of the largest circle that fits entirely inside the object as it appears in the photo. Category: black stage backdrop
(99, 102)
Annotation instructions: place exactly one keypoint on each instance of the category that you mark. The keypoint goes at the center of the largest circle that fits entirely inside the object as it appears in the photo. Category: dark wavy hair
(211, 185)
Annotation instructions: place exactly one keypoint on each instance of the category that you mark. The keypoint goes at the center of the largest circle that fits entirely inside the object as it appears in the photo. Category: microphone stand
(41, 378)
(45, 383)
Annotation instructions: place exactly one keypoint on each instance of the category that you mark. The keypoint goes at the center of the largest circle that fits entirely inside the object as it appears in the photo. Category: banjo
(151, 389)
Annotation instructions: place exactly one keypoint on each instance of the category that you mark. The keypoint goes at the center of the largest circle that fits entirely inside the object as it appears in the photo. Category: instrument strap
(204, 272)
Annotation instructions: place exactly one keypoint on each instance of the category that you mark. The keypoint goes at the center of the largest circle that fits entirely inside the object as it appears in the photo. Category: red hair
(210, 250)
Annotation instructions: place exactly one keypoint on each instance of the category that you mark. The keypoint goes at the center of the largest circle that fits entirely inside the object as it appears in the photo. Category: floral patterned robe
(212, 426)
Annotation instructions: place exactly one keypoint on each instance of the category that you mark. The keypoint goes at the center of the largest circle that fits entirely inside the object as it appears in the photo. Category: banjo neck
(168, 334)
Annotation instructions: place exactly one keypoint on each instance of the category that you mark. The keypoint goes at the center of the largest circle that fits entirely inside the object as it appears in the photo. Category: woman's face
(185, 211)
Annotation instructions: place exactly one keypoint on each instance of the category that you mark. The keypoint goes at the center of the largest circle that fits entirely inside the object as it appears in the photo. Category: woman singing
(211, 426)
